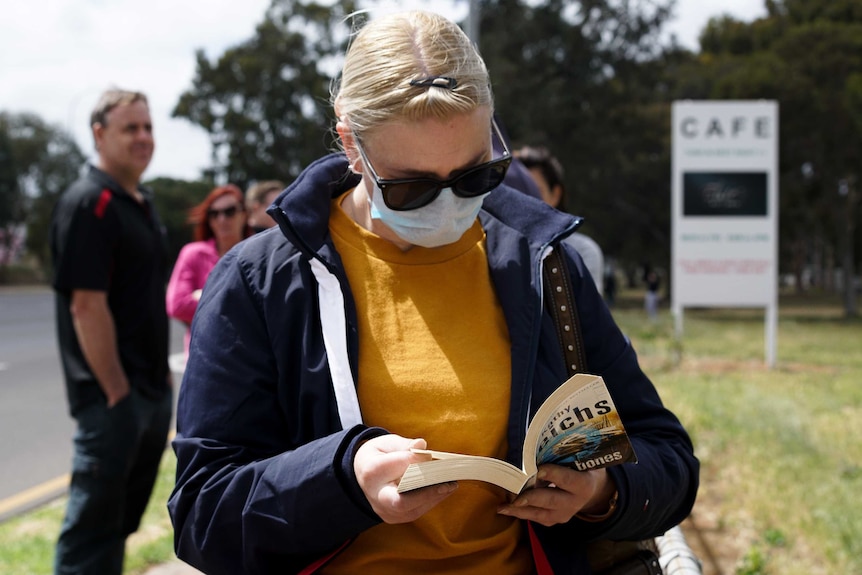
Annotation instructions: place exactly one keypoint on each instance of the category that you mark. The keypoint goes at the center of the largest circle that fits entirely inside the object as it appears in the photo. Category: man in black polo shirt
(110, 269)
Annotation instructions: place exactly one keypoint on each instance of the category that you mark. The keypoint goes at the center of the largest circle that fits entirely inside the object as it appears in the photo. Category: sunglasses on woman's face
(413, 193)
(228, 213)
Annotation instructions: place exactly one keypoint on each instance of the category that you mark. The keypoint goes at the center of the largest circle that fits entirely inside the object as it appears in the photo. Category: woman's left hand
(560, 493)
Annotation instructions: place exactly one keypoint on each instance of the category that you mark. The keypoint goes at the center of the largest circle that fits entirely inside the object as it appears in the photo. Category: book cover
(577, 426)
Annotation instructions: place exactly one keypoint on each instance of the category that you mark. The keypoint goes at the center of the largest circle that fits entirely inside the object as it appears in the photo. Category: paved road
(35, 427)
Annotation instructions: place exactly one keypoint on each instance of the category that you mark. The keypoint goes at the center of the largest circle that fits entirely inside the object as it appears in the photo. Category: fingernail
(504, 511)
(520, 503)
(542, 474)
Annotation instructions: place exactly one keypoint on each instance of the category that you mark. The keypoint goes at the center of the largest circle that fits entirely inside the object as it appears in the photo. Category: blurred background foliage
(593, 80)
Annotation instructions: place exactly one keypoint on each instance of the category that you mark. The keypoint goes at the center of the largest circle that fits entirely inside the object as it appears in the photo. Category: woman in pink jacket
(220, 223)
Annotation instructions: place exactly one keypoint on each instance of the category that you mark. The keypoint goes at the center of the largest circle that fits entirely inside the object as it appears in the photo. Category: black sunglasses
(227, 212)
(412, 193)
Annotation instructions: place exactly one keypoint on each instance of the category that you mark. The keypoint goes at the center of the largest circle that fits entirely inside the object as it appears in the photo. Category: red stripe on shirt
(102, 204)
(543, 566)
(318, 564)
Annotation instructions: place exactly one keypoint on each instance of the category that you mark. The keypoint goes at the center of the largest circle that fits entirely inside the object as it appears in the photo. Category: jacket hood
(302, 209)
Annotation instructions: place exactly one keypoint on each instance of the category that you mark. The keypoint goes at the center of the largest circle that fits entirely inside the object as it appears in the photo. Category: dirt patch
(719, 549)
(719, 365)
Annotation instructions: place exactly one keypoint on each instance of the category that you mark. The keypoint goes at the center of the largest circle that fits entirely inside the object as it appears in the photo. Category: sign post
(725, 209)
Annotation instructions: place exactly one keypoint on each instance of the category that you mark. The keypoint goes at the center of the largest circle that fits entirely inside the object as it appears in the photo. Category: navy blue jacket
(268, 420)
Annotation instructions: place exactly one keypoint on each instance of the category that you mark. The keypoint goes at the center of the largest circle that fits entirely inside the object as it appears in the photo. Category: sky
(57, 56)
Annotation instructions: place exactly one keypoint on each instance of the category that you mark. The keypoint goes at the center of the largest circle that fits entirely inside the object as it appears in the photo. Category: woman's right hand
(379, 465)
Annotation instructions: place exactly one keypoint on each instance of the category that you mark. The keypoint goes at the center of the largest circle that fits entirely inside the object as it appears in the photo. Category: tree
(173, 199)
(44, 160)
(264, 102)
(10, 196)
(581, 78)
(807, 55)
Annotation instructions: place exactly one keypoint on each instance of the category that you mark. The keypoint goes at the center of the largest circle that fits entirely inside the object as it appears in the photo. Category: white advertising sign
(725, 204)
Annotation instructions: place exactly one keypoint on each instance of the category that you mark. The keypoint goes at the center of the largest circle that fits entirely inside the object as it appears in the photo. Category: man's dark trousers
(115, 464)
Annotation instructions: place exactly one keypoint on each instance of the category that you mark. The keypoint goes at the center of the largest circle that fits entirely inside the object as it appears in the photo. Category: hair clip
(435, 82)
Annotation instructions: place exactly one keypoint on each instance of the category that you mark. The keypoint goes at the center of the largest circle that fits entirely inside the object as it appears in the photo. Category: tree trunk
(848, 188)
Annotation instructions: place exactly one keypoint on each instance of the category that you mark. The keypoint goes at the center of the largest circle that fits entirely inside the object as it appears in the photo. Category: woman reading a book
(401, 307)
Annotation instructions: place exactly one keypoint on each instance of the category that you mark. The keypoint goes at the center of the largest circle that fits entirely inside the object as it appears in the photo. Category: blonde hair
(391, 52)
(257, 193)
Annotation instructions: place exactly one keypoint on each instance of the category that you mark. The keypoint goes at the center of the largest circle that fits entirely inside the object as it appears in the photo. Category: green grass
(781, 449)
(27, 542)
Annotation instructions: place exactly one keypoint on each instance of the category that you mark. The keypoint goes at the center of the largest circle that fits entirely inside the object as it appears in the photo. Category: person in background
(220, 222)
(610, 284)
(399, 305)
(651, 296)
(547, 172)
(257, 199)
(517, 176)
(110, 260)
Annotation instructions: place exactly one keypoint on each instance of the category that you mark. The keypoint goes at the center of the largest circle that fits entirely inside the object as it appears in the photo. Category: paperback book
(577, 426)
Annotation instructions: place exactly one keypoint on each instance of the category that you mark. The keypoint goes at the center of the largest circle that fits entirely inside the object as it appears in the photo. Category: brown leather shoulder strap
(560, 301)
(606, 557)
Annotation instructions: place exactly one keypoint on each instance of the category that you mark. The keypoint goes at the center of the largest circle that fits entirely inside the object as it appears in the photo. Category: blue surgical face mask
(441, 222)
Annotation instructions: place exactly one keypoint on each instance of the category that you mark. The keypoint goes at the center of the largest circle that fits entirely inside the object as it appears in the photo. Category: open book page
(577, 426)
